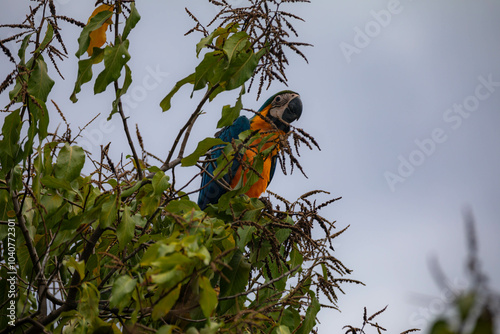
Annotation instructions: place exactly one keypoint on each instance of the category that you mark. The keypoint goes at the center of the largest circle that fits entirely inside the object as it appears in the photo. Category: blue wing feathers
(212, 190)
(273, 167)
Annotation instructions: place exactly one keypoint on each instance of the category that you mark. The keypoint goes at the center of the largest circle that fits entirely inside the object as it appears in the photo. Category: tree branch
(70, 302)
(22, 225)
(189, 124)
(119, 102)
(42, 284)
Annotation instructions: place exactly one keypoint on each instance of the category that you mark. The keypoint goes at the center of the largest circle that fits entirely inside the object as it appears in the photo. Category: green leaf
(282, 234)
(441, 326)
(310, 317)
(41, 121)
(205, 41)
(56, 183)
(210, 328)
(181, 206)
(39, 82)
(208, 40)
(99, 326)
(88, 305)
(23, 256)
(165, 305)
(79, 266)
(485, 323)
(234, 44)
(172, 261)
(201, 253)
(150, 255)
(73, 223)
(15, 92)
(129, 191)
(245, 234)
(241, 69)
(66, 321)
(201, 149)
(126, 229)
(223, 164)
(276, 270)
(291, 318)
(325, 271)
(170, 278)
(46, 40)
(122, 291)
(237, 275)
(127, 82)
(296, 257)
(9, 145)
(115, 58)
(55, 209)
(221, 32)
(282, 329)
(238, 279)
(121, 91)
(229, 114)
(206, 72)
(95, 23)
(5, 207)
(22, 50)
(165, 103)
(48, 166)
(85, 71)
(167, 329)
(160, 183)
(465, 302)
(69, 162)
(208, 296)
(132, 20)
(108, 211)
(149, 204)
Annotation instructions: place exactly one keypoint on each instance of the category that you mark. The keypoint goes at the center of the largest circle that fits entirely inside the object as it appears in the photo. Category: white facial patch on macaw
(280, 103)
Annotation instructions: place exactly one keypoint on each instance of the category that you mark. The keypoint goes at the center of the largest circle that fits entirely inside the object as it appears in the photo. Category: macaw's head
(282, 108)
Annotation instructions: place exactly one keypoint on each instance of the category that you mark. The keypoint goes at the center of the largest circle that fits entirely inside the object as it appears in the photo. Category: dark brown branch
(119, 104)
(70, 302)
(22, 225)
(188, 125)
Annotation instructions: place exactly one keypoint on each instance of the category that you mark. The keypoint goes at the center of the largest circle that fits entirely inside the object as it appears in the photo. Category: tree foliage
(475, 309)
(124, 249)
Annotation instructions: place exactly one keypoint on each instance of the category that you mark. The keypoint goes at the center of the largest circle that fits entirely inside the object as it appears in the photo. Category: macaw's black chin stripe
(279, 124)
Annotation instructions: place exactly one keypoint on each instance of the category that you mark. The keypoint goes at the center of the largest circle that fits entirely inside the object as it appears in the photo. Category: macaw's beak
(293, 110)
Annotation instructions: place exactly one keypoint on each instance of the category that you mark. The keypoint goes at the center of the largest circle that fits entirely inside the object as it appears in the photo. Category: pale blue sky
(403, 84)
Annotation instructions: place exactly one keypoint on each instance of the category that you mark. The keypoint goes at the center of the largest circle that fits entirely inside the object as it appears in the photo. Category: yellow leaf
(98, 36)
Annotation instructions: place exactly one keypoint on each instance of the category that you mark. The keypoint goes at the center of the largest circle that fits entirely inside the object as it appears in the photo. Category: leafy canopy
(124, 249)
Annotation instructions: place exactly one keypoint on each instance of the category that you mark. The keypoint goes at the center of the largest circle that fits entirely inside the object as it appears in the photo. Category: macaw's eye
(277, 99)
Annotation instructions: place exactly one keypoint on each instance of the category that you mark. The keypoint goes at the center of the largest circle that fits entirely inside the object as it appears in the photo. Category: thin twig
(188, 125)
(120, 107)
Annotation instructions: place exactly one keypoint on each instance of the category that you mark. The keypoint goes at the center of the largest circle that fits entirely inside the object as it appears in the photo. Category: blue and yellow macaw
(271, 121)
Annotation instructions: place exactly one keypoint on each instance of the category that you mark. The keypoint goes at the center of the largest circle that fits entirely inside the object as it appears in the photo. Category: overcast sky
(403, 98)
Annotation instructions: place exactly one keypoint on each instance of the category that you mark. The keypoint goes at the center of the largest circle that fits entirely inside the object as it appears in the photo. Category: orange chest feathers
(265, 130)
